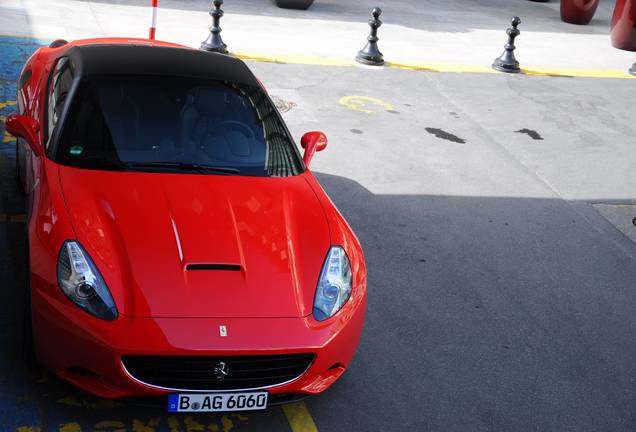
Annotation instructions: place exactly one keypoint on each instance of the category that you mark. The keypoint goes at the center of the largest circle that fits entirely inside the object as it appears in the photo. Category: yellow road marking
(192, 425)
(7, 103)
(28, 429)
(442, 67)
(70, 427)
(299, 418)
(413, 65)
(69, 400)
(13, 218)
(436, 66)
(141, 426)
(365, 104)
(19, 218)
(294, 59)
(110, 426)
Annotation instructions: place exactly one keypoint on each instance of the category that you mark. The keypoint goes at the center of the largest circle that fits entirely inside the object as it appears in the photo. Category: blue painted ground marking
(18, 407)
(14, 52)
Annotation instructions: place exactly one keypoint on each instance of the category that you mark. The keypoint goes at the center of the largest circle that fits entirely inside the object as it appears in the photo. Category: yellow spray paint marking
(19, 218)
(227, 423)
(28, 429)
(101, 404)
(7, 103)
(14, 218)
(70, 400)
(140, 426)
(110, 426)
(74, 400)
(192, 425)
(299, 418)
(365, 104)
(70, 427)
(173, 424)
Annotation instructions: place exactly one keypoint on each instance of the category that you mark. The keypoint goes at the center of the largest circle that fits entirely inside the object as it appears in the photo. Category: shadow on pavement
(484, 313)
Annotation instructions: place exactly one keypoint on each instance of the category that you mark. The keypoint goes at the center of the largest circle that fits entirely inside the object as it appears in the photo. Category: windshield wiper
(183, 166)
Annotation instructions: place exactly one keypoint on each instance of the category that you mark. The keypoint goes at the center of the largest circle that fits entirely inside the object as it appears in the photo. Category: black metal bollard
(632, 70)
(507, 62)
(370, 54)
(214, 41)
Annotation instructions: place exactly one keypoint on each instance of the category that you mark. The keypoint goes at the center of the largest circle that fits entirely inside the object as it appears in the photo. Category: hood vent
(226, 267)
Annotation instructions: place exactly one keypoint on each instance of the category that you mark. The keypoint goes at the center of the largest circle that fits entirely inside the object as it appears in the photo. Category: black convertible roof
(122, 59)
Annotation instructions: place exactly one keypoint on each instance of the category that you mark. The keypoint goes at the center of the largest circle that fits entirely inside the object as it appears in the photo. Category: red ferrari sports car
(178, 245)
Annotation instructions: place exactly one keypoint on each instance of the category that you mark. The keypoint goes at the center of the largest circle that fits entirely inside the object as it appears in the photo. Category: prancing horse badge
(222, 331)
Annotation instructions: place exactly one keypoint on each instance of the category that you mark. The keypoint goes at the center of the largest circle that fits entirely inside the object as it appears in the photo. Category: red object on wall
(624, 25)
(578, 11)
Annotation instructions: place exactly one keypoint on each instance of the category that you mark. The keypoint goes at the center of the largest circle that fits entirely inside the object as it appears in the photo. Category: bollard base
(222, 49)
(632, 70)
(369, 60)
(370, 54)
(508, 67)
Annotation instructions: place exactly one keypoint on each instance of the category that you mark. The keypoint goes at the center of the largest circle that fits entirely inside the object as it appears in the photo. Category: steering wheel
(241, 125)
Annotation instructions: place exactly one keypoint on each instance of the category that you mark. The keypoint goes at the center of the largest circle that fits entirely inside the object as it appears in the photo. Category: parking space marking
(6, 138)
(365, 104)
(7, 103)
(299, 418)
(424, 66)
(98, 404)
(70, 427)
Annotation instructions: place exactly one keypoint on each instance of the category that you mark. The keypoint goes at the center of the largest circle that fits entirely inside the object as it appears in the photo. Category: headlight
(81, 282)
(334, 285)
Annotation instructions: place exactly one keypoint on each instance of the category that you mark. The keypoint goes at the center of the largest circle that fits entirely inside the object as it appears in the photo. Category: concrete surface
(499, 297)
(622, 216)
(454, 31)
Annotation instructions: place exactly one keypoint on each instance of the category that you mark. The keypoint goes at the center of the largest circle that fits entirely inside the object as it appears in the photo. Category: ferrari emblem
(222, 331)
(221, 370)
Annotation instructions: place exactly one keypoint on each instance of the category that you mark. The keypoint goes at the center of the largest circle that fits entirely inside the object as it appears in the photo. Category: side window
(57, 94)
(26, 76)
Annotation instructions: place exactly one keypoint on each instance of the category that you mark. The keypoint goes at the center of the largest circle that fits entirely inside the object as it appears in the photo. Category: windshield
(175, 124)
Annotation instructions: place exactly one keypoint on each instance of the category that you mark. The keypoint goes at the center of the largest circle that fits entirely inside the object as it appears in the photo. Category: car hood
(181, 245)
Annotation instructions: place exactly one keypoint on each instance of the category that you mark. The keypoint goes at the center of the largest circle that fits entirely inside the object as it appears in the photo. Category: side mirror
(312, 142)
(24, 127)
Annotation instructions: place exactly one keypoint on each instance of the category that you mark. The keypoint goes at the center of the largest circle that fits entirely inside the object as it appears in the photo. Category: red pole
(153, 18)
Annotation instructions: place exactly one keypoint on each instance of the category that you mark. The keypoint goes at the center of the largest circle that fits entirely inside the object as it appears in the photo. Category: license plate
(213, 402)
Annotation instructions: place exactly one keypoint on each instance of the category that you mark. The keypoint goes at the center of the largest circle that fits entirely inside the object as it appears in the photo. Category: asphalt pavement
(500, 298)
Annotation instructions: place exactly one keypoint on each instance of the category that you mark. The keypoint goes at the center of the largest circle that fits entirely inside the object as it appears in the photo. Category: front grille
(202, 372)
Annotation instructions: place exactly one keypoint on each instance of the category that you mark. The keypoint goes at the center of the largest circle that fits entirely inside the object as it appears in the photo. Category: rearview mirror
(21, 126)
(312, 142)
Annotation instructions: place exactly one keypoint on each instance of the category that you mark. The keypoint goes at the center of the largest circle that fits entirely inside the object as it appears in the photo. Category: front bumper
(87, 351)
